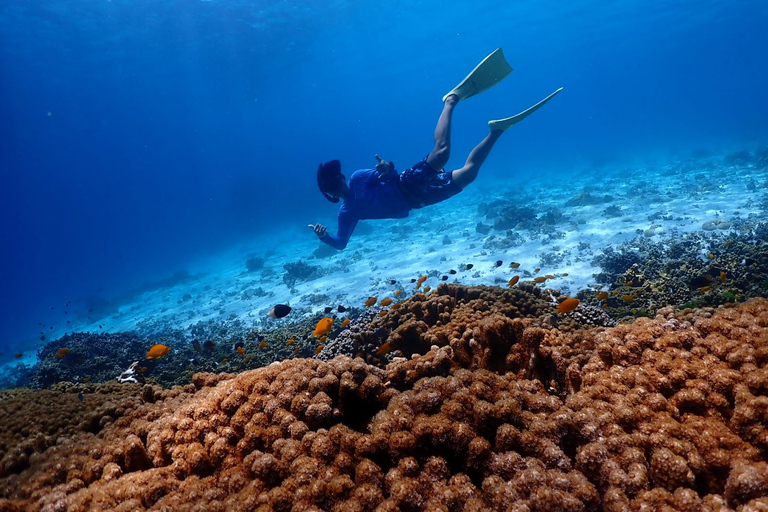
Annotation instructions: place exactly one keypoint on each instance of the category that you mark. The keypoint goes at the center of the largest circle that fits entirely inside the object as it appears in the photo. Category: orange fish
(427, 288)
(722, 276)
(382, 313)
(240, 350)
(62, 352)
(420, 281)
(398, 292)
(704, 289)
(345, 322)
(318, 349)
(224, 360)
(549, 276)
(514, 265)
(322, 339)
(512, 282)
(602, 295)
(87, 379)
(324, 325)
(157, 351)
(604, 306)
(18, 355)
(396, 305)
(263, 344)
(144, 369)
(384, 349)
(627, 298)
(370, 302)
(567, 305)
(248, 358)
(565, 274)
(628, 283)
(385, 302)
(537, 270)
(539, 279)
(711, 256)
(290, 342)
(615, 292)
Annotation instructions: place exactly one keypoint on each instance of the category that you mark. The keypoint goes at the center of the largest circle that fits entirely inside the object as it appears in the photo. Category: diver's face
(342, 190)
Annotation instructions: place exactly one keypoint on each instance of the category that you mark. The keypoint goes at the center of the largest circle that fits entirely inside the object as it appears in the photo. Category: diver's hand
(384, 166)
(319, 229)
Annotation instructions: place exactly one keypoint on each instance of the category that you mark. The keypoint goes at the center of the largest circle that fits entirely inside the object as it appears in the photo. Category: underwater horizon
(139, 138)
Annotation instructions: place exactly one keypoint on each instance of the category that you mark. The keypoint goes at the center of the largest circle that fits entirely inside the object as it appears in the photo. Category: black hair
(329, 177)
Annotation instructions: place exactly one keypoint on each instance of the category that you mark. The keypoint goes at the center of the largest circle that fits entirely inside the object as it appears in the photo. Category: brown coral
(498, 414)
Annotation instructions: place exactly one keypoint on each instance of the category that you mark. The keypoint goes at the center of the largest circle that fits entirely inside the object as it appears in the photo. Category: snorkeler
(383, 193)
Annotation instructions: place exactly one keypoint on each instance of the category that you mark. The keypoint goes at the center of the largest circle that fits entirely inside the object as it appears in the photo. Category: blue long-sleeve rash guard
(370, 197)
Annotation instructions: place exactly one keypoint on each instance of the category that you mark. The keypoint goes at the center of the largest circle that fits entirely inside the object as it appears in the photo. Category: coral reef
(492, 409)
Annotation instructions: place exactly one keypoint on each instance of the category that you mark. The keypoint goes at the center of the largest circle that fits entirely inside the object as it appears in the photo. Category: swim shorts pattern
(422, 185)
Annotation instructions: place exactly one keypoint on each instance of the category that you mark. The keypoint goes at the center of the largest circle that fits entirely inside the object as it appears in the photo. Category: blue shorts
(422, 185)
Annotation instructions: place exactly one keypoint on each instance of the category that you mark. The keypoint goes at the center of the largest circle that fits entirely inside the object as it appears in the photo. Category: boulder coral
(498, 413)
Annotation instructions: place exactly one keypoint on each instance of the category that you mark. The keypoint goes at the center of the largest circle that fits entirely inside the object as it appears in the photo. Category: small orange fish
(704, 288)
(615, 292)
(568, 305)
(157, 351)
(564, 274)
(629, 283)
(87, 379)
(711, 256)
(290, 342)
(539, 279)
(382, 313)
(385, 302)
(396, 305)
(324, 325)
(322, 339)
(144, 369)
(604, 306)
(549, 276)
(345, 322)
(536, 270)
(512, 282)
(420, 281)
(263, 344)
(602, 295)
(722, 276)
(514, 265)
(224, 360)
(397, 292)
(317, 350)
(427, 288)
(240, 350)
(248, 358)
(627, 298)
(62, 352)
(384, 349)
(370, 302)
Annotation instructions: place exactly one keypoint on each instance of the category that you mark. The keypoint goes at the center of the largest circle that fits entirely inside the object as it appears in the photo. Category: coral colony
(484, 398)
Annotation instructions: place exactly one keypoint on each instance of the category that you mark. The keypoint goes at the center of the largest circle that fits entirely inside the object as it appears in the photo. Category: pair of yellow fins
(492, 70)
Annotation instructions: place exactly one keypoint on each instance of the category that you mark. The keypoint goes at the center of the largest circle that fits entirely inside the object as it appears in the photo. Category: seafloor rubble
(501, 413)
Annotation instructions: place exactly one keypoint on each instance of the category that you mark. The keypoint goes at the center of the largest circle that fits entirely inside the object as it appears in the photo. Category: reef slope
(501, 413)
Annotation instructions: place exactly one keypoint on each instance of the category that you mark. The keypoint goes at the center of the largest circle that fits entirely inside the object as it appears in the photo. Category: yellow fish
(324, 325)
(157, 351)
(567, 305)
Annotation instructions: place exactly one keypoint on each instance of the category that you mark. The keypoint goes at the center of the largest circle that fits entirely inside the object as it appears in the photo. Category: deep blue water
(136, 136)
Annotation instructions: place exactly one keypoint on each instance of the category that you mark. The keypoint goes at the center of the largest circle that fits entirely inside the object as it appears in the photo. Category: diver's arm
(347, 224)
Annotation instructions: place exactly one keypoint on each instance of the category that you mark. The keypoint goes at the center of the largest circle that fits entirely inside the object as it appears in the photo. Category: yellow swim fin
(492, 70)
(503, 124)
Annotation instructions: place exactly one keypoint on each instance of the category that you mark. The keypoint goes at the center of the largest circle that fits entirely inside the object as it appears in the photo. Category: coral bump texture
(500, 413)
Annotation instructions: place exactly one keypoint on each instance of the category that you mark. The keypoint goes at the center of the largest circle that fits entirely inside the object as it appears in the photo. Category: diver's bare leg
(467, 174)
(439, 155)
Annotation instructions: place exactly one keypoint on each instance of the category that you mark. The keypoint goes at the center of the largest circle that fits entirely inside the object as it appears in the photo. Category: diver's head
(331, 182)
